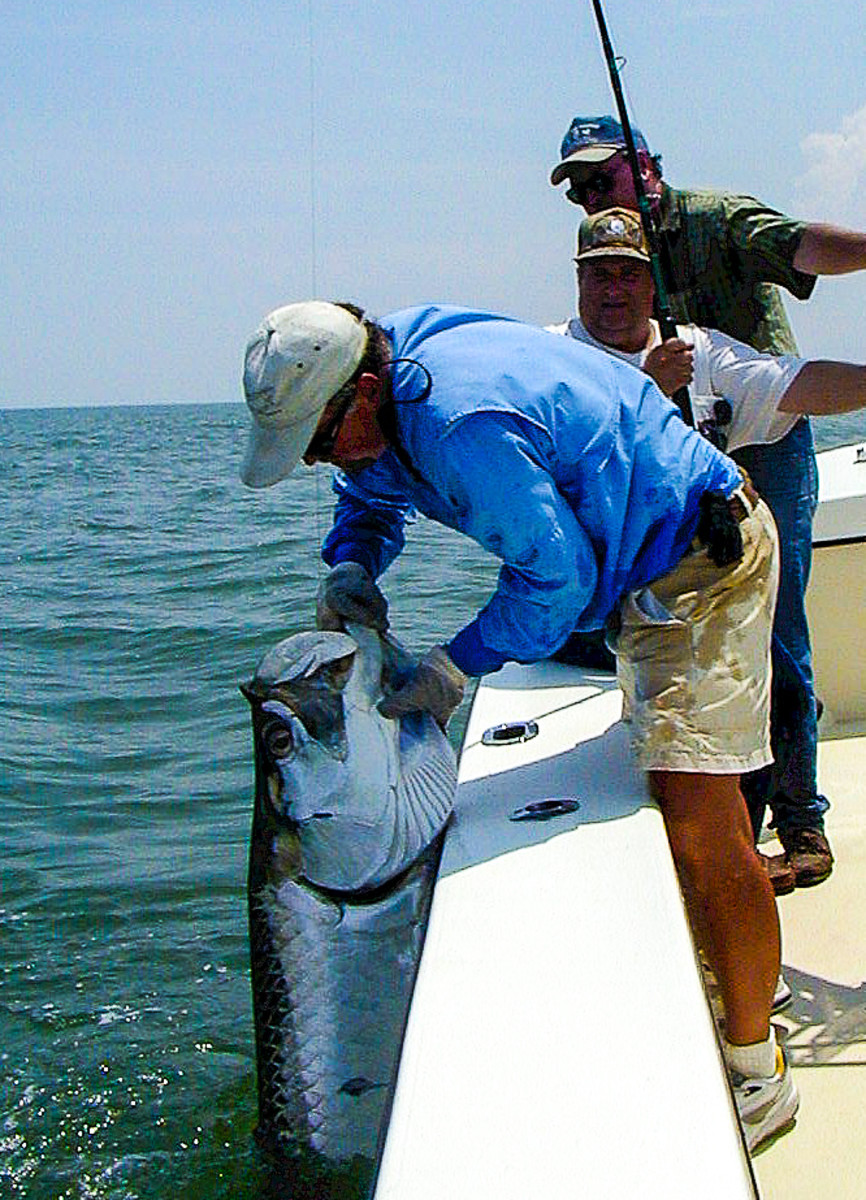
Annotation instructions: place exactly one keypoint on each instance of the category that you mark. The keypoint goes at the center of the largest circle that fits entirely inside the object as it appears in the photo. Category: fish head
(322, 757)
(299, 725)
(347, 797)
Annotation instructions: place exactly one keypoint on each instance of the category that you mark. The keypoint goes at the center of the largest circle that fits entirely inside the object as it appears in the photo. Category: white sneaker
(766, 1105)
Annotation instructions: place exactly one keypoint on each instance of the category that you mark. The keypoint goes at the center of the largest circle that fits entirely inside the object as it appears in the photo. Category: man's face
(360, 441)
(609, 185)
(615, 300)
(348, 434)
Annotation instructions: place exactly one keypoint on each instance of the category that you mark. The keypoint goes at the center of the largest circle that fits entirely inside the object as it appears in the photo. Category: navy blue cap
(590, 141)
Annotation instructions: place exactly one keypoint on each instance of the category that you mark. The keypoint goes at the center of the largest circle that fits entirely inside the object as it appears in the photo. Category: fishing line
(388, 411)
(667, 325)
(314, 287)
(319, 502)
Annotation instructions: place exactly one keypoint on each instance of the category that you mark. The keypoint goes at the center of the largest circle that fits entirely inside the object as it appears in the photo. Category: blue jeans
(786, 475)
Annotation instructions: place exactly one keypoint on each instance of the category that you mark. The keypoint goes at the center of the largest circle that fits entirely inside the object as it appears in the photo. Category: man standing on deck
(739, 396)
(604, 508)
(724, 257)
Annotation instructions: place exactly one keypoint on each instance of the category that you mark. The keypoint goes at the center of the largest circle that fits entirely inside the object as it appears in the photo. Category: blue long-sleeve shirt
(568, 465)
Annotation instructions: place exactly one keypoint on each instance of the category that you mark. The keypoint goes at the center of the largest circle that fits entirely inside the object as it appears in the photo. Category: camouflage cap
(613, 233)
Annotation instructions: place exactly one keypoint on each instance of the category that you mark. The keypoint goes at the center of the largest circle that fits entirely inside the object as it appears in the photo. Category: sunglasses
(323, 441)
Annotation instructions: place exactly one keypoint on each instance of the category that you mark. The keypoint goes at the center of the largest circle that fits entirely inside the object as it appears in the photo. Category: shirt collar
(670, 219)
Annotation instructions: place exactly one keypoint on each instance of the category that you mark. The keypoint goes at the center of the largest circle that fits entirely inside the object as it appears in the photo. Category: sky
(173, 171)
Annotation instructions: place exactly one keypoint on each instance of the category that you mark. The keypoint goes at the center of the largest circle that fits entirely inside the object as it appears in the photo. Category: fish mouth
(312, 819)
(292, 824)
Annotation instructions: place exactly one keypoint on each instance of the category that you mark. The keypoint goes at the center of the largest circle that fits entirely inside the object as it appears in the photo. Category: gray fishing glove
(349, 593)
(435, 686)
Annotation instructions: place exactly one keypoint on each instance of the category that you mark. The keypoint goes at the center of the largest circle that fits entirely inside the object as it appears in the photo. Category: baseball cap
(590, 141)
(296, 360)
(615, 232)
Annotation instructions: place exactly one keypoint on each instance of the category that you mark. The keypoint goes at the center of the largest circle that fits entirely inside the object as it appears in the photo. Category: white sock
(758, 1058)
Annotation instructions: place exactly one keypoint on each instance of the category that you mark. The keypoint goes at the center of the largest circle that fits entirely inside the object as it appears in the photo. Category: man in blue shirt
(604, 508)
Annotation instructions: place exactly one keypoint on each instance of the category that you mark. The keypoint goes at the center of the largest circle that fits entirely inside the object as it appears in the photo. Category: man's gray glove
(349, 593)
(435, 686)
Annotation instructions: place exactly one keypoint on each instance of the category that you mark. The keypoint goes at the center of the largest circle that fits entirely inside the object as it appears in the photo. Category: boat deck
(544, 1050)
(824, 956)
(559, 1041)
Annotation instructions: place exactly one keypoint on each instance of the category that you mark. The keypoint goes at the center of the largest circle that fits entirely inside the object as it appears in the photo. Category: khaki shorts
(693, 658)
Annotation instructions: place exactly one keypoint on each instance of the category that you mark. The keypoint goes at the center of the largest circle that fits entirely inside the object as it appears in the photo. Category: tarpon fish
(349, 807)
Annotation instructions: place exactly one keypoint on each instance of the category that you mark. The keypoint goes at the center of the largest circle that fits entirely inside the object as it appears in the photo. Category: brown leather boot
(782, 876)
(808, 854)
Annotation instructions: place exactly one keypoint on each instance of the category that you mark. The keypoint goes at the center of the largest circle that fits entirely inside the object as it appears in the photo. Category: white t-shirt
(752, 382)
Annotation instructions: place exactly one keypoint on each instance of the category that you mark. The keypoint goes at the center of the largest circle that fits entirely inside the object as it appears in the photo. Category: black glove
(349, 593)
(435, 686)
(718, 530)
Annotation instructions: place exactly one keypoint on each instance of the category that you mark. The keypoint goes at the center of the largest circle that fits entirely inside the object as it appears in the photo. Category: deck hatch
(545, 810)
(509, 733)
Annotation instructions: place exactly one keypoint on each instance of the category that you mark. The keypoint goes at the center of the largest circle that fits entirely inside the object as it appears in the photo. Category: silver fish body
(348, 812)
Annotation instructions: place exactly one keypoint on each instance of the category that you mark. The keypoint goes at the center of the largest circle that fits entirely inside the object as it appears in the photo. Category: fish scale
(333, 966)
(338, 1020)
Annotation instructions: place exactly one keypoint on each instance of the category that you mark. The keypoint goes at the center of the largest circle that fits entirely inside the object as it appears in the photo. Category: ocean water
(142, 582)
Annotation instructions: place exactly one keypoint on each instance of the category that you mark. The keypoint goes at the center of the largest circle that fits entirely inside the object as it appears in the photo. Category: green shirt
(723, 256)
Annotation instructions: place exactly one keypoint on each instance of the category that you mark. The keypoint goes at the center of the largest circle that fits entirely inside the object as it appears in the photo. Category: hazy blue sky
(172, 171)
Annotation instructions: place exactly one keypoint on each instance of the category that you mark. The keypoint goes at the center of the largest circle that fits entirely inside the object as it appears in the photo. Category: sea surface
(142, 583)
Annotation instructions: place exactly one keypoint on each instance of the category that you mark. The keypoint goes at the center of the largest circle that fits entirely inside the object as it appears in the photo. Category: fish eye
(278, 739)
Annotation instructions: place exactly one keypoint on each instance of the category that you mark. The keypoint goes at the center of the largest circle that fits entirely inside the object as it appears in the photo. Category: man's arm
(369, 520)
(823, 387)
(830, 250)
(762, 386)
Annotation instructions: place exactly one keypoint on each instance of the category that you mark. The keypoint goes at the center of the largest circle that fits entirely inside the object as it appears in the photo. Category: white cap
(297, 359)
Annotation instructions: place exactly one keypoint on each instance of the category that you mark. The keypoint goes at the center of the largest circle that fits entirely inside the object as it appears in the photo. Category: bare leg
(728, 895)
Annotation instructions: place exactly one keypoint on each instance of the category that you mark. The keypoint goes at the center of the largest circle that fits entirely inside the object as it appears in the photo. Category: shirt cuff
(468, 652)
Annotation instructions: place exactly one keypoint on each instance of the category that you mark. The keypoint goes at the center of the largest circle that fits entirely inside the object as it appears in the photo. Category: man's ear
(368, 390)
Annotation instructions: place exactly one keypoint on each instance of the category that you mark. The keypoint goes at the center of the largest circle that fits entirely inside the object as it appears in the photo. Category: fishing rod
(667, 325)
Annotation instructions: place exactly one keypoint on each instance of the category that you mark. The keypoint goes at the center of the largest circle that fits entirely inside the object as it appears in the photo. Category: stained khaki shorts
(693, 658)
